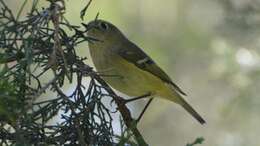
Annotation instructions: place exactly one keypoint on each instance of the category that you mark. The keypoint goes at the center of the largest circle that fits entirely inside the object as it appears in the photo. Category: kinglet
(128, 69)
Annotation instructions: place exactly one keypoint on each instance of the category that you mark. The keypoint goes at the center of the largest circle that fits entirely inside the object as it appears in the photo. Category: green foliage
(198, 140)
(29, 50)
(10, 105)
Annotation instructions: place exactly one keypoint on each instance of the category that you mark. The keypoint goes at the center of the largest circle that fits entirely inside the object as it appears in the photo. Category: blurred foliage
(197, 141)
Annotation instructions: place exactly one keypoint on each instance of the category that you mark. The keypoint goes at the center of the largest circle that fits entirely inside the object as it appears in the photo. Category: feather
(139, 58)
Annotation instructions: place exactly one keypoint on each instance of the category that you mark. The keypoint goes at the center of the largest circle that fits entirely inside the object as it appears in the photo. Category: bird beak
(90, 25)
(85, 25)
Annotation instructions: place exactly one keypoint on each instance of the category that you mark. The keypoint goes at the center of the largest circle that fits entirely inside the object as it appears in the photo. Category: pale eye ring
(103, 26)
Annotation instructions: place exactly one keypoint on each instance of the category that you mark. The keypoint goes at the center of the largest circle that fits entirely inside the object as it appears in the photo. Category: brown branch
(125, 112)
(57, 48)
(121, 104)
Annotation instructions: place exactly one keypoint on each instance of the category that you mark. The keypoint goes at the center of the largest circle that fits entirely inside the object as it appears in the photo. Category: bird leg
(137, 98)
(125, 101)
(142, 113)
(146, 106)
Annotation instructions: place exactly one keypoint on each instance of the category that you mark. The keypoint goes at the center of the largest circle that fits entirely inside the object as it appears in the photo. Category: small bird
(128, 69)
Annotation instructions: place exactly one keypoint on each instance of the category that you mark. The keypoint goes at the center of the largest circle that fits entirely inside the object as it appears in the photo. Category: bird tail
(190, 110)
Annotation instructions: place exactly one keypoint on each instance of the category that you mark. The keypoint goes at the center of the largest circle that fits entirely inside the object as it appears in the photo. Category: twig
(21, 9)
(57, 44)
(83, 11)
(125, 112)
(72, 108)
(43, 89)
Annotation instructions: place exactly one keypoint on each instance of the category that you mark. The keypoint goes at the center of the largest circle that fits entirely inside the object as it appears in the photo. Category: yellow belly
(126, 77)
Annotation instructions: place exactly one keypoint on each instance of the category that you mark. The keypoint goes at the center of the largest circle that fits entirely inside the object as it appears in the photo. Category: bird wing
(136, 56)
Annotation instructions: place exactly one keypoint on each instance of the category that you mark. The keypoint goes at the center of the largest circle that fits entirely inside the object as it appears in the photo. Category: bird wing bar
(136, 56)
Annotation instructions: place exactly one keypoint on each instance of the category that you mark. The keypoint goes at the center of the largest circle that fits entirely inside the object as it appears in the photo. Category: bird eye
(103, 26)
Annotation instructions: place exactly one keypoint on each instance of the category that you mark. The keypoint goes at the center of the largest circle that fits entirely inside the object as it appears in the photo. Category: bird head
(103, 31)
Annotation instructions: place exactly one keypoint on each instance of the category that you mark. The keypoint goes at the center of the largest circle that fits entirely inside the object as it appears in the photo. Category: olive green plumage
(128, 69)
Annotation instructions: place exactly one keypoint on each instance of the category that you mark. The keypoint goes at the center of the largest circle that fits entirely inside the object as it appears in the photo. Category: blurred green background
(209, 48)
